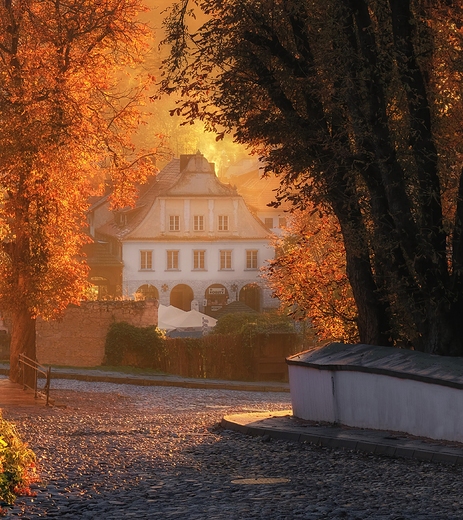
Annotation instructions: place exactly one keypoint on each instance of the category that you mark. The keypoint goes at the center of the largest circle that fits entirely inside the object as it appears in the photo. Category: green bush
(133, 346)
(247, 323)
(17, 465)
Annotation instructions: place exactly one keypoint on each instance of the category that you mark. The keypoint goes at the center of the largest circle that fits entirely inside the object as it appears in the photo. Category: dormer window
(223, 223)
(198, 223)
(174, 223)
(121, 219)
(269, 222)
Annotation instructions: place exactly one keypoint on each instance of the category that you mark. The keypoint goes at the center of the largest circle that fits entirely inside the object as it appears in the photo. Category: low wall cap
(392, 361)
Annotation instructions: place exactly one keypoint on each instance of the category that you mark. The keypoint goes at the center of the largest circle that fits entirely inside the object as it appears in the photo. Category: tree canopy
(356, 105)
(63, 118)
(308, 276)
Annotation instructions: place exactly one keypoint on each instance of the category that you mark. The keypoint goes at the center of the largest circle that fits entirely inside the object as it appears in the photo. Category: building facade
(190, 242)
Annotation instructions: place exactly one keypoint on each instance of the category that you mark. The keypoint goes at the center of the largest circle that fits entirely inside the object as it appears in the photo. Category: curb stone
(283, 426)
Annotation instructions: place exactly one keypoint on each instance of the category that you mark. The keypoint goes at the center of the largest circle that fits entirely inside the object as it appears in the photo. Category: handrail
(38, 368)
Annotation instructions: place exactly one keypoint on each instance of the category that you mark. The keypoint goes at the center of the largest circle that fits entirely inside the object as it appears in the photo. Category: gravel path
(122, 451)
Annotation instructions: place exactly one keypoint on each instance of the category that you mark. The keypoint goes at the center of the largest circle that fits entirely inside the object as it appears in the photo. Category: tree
(308, 275)
(356, 105)
(62, 119)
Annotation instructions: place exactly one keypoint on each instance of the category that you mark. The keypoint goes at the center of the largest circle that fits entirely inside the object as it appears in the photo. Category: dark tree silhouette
(356, 105)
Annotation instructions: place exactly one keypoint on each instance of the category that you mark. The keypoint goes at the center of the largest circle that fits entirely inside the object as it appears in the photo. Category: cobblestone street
(122, 451)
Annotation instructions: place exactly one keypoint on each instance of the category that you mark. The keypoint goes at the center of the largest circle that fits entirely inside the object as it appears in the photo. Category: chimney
(184, 160)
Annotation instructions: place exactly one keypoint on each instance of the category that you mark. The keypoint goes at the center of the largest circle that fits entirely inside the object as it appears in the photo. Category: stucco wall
(198, 280)
(78, 339)
(376, 401)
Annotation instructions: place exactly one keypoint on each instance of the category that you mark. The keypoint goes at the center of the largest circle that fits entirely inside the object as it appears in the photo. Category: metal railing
(24, 362)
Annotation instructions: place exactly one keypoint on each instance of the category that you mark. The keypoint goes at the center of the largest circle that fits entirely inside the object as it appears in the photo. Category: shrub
(17, 465)
(247, 323)
(135, 346)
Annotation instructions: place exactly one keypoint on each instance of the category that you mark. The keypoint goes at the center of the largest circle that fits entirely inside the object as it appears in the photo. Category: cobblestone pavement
(119, 451)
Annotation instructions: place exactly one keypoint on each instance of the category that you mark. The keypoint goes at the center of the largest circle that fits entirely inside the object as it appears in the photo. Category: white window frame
(252, 258)
(174, 223)
(172, 260)
(268, 222)
(199, 260)
(146, 260)
(198, 223)
(223, 223)
(225, 260)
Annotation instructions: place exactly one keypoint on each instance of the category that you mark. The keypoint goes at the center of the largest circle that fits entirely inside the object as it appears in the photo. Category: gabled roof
(149, 192)
(98, 255)
(195, 179)
(199, 180)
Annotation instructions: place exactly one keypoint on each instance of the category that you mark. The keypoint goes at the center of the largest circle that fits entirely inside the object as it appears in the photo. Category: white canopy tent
(196, 319)
(170, 318)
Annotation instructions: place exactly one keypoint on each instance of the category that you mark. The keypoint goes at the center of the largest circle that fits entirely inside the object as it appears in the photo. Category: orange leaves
(66, 117)
(308, 276)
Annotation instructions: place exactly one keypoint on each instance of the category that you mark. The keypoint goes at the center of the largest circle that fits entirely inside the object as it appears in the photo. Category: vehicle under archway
(215, 298)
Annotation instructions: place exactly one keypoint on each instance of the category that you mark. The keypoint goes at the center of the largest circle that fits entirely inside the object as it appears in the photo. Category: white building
(190, 242)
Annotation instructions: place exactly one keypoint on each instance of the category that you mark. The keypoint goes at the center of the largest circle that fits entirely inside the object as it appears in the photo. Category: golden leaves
(66, 117)
(309, 276)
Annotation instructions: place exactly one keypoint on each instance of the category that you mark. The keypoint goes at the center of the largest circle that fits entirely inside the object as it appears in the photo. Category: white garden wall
(391, 389)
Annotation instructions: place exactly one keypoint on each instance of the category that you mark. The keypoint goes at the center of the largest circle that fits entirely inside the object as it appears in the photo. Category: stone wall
(78, 339)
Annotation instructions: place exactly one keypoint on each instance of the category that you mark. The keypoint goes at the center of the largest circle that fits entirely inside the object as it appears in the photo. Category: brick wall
(78, 339)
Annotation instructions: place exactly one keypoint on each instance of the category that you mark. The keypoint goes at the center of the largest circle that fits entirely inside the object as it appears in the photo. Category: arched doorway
(215, 297)
(147, 292)
(181, 297)
(250, 295)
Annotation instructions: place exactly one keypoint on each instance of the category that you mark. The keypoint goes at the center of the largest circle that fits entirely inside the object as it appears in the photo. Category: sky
(182, 139)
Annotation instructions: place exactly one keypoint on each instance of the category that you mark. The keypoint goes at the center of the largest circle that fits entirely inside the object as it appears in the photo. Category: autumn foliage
(308, 275)
(355, 105)
(18, 470)
(66, 116)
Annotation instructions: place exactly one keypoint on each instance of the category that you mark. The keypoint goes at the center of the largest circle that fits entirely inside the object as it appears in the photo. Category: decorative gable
(198, 179)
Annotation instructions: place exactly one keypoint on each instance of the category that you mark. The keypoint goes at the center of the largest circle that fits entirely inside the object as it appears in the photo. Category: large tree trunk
(441, 329)
(22, 342)
(373, 321)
